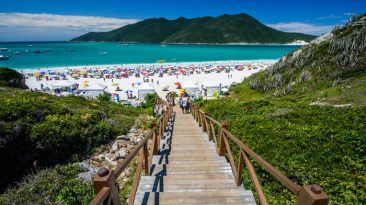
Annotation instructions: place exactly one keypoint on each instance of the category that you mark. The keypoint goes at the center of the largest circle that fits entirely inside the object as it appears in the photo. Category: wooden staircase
(188, 170)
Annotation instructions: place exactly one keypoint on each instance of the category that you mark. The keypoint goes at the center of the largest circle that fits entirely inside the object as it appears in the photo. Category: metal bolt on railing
(102, 172)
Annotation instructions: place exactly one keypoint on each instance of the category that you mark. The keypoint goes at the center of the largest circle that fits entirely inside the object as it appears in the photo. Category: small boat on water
(30, 45)
(37, 51)
(160, 61)
(4, 49)
(2, 57)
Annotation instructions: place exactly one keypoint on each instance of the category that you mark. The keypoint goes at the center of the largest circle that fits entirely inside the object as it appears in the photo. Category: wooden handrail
(105, 181)
(307, 195)
(292, 186)
(101, 196)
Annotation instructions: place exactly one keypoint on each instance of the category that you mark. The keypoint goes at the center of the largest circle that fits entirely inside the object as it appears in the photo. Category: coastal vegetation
(41, 136)
(240, 28)
(306, 116)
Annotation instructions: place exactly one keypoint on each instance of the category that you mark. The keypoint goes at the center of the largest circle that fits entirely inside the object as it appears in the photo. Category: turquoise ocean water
(55, 54)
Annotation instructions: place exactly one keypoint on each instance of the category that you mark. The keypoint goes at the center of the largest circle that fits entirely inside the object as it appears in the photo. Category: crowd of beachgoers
(125, 82)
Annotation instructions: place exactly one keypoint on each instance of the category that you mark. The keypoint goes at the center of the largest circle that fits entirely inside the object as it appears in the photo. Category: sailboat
(2, 57)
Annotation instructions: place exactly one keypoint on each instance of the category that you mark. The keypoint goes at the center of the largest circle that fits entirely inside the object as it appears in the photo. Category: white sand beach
(132, 83)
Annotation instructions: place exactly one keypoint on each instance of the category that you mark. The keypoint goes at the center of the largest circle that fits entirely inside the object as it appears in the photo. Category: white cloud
(54, 27)
(300, 27)
(349, 14)
(329, 17)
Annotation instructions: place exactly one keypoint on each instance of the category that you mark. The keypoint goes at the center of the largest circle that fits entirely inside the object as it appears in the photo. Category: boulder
(123, 137)
(115, 146)
(121, 154)
(133, 130)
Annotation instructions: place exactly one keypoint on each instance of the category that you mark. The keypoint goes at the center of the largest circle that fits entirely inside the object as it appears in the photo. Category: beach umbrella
(42, 73)
(115, 84)
(177, 83)
(224, 90)
(182, 90)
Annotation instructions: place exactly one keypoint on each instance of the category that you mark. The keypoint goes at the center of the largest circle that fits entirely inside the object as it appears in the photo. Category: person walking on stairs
(185, 105)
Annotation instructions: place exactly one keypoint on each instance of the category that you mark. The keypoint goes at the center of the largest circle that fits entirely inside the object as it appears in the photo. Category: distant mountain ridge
(240, 28)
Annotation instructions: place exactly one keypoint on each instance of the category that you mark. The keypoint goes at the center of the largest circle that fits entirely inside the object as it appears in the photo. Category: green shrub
(10, 77)
(45, 130)
(104, 97)
(58, 185)
(149, 100)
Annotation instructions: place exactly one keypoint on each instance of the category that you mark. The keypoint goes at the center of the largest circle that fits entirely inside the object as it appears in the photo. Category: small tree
(104, 97)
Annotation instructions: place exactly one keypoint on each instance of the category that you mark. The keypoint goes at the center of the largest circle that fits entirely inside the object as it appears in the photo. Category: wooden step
(157, 159)
(210, 197)
(157, 172)
(189, 148)
(188, 187)
(185, 167)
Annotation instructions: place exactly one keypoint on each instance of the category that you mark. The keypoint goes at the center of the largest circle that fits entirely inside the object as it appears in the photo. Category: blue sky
(26, 20)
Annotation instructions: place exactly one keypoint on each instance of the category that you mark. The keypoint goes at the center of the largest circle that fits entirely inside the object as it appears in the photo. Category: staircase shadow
(158, 185)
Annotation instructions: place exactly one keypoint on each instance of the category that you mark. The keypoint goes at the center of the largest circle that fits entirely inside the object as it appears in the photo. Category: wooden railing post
(204, 123)
(162, 126)
(195, 114)
(240, 166)
(146, 160)
(224, 125)
(312, 195)
(155, 139)
(199, 119)
(106, 178)
(253, 176)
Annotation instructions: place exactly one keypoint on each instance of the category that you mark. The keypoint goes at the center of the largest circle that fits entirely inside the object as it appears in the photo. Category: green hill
(306, 116)
(240, 28)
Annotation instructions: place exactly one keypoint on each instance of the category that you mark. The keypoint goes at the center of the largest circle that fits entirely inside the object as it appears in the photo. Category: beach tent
(144, 89)
(210, 88)
(92, 90)
(191, 88)
(62, 84)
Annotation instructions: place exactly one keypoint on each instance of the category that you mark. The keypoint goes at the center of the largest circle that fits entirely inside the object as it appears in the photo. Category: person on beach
(180, 103)
(185, 105)
(188, 108)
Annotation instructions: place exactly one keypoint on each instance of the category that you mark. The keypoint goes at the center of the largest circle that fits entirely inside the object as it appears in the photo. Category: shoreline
(165, 43)
(83, 67)
(213, 44)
